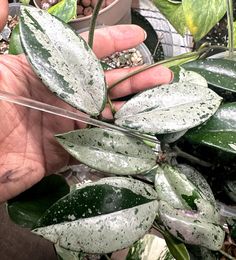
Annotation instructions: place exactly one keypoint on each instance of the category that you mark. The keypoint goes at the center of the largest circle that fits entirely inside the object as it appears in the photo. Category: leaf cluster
(146, 187)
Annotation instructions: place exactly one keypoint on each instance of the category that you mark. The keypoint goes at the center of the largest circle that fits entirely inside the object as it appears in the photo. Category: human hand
(28, 150)
(3, 13)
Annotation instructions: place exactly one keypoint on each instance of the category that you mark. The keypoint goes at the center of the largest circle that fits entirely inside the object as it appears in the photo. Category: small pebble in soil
(124, 59)
(6, 34)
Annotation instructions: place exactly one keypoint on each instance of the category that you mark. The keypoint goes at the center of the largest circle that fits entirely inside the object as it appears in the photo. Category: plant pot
(119, 12)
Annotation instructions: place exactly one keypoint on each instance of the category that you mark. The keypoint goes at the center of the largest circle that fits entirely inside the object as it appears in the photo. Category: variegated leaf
(63, 60)
(101, 217)
(65, 10)
(201, 16)
(149, 247)
(109, 151)
(191, 227)
(169, 108)
(174, 13)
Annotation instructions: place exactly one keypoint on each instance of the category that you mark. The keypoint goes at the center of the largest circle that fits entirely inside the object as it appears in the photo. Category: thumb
(3, 13)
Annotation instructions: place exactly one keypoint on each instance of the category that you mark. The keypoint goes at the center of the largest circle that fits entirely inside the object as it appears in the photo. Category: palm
(27, 148)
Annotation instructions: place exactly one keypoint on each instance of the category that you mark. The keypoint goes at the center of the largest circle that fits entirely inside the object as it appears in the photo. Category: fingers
(107, 114)
(110, 39)
(3, 13)
(146, 79)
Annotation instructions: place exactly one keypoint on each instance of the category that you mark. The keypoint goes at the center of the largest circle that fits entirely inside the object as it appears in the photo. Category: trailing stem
(93, 22)
(230, 21)
(170, 62)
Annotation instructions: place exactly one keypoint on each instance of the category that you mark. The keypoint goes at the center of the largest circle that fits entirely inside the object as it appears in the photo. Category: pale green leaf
(65, 10)
(234, 34)
(63, 60)
(202, 15)
(176, 247)
(109, 151)
(173, 12)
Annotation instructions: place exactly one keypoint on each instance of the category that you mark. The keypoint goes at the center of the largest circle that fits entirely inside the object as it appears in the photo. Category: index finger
(111, 39)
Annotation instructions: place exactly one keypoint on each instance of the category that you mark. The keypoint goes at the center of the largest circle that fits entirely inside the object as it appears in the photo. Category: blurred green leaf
(65, 10)
(26, 209)
(15, 46)
(174, 13)
(150, 247)
(202, 15)
(176, 247)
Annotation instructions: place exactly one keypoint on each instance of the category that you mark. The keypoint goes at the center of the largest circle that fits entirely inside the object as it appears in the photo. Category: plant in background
(148, 186)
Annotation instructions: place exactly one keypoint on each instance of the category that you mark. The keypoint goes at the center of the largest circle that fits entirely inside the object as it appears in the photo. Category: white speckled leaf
(105, 233)
(169, 108)
(150, 247)
(63, 60)
(191, 227)
(109, 151)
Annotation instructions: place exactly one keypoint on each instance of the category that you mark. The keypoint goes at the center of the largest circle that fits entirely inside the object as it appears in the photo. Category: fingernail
(145, 35)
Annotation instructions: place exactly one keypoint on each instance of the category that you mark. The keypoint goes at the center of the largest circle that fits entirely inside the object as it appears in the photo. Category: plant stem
(168, 63)
(226, 255)
(93, 22)
(107, 257)
(113, 110)
(174, 61)
(190, 157)
(157, 229)
(230, 20)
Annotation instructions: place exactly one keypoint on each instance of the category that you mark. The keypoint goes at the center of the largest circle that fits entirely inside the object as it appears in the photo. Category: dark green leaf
(63, 60)
(219, 73)
(15, 46)
(170, 108)
(109, 151)
(101, 217)
(230, 189)
(219, 132)
(65, 10)
(26, 209)
(177, 248)
(105, 196)
(201, 16)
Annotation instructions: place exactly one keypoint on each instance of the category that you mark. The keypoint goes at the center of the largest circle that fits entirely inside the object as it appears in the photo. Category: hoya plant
(147, 185)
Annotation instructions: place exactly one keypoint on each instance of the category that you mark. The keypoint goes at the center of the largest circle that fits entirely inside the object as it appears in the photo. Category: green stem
(177, 60)
(158, 229)
(230, 20)
(113, 110)
(107, 257)
(190, 157)
(168, 63)
(93, 22)
(226, 255)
